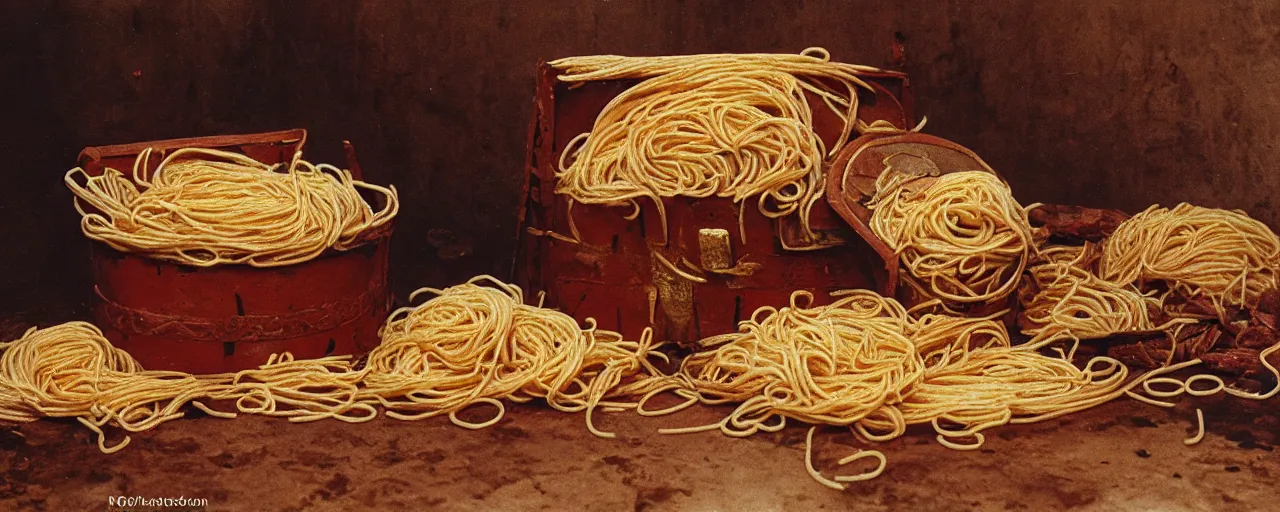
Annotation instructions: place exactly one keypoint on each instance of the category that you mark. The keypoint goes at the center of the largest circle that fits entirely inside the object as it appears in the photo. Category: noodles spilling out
(1188, 264)
(1198, 253)
(469, 345)
(961, 236)
(204, 207)
(734, 126)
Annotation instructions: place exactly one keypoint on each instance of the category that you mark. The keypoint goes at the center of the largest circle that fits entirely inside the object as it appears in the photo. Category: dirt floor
(1122, 456)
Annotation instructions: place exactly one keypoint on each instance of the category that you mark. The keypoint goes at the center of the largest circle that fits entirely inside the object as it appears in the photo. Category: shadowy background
(1099, 103)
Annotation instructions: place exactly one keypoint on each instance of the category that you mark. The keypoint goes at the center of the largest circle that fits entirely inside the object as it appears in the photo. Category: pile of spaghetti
(475, 344)
(70, 370)
(204, 207)
(1156, 265)
(961, 237)
(469, 345)
(736, 126)
(863, 362)
(1199, 252)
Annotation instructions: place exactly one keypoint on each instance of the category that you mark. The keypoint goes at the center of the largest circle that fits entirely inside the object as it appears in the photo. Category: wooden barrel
(226, 318)
(619, 273)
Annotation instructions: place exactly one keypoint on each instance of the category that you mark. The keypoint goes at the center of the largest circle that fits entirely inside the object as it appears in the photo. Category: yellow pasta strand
(1199, 429)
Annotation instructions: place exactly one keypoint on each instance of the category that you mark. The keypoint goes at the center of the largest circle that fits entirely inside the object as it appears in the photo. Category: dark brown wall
(1114, 104)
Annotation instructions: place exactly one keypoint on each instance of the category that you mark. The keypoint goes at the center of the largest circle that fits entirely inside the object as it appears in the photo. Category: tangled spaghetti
(1194, 251)
(470, 345)
(473, 344)
(865, 363)
(1220, 254)
(962, 236)
(71, 370)
(204, 207)
(1068, 300)
(737, 126)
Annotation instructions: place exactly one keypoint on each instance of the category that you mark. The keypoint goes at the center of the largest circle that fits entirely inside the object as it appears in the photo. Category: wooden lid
(851, 180)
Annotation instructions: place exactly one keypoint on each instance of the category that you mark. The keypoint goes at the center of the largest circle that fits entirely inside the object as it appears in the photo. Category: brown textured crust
(1222, 351)
(1076, 222)
(1256, 336)
(1234, 361)
(1152, 351)
(1142, 354)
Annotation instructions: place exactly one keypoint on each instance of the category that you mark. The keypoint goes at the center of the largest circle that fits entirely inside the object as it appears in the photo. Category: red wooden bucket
(226, 318)
(613, 275)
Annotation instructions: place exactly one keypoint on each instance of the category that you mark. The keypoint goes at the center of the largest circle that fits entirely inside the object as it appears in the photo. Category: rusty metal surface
(170, 316)
(614, 275)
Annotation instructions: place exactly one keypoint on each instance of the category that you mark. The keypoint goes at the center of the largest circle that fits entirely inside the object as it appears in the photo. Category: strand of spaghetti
(1199, 429)
(859, 455)
(675, 270)
(552, 234)
(808, 463)
(838, 481)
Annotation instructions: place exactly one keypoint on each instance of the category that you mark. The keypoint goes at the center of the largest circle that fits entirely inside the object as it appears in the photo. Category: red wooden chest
(618, 273)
